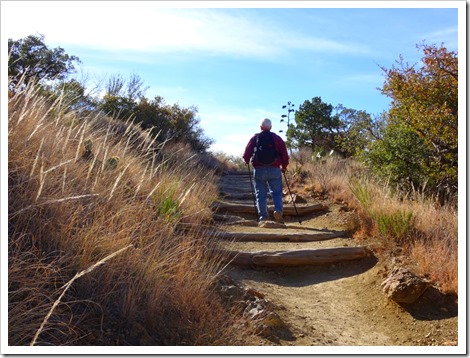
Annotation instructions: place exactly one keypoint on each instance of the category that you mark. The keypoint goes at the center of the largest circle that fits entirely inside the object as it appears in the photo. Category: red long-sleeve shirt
(282, 158)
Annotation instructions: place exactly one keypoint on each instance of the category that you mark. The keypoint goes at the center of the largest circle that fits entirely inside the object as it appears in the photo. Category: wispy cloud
(363, 78)
(148, 27)
(231, 144)
(447, 35)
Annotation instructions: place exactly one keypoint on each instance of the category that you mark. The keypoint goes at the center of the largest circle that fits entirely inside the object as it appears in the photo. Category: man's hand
(284, 170)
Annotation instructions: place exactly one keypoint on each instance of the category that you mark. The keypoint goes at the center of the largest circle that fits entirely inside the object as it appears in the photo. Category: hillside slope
(339, 304)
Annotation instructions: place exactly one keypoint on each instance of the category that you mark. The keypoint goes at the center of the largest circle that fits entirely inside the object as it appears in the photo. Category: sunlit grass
(81, 188)
(407, 224)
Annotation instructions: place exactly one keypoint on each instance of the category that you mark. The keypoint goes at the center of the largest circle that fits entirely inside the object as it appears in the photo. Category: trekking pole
(252, 192)
(293, 201)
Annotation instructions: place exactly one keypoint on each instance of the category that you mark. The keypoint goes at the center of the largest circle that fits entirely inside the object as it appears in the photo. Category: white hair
(266, 124)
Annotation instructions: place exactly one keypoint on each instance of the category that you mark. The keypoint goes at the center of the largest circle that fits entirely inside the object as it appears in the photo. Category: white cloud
(149, 27)
(447, 35)
(231, 145)
(232, 128)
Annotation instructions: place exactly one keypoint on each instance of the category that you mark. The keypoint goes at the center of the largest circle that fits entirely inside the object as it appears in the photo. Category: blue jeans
(268, 178)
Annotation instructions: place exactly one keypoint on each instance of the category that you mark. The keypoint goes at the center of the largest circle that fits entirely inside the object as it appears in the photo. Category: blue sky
(239, 62)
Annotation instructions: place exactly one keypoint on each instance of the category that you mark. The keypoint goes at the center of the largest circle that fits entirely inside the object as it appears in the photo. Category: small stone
(296, 198)
(254, 292)
(271, 225)
(403, 286)
(449, 343)
(273, 320)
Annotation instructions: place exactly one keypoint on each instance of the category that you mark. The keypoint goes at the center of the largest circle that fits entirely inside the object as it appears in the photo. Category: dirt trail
(336, 304)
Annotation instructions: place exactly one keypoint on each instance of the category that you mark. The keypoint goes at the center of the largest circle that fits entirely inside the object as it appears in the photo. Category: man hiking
(268, 154)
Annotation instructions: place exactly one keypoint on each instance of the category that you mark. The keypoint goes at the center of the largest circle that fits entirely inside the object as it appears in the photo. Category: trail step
(237, 196)
(235, 173)
(287, 246)
(291, 258)
(279, 236)
(221, 206)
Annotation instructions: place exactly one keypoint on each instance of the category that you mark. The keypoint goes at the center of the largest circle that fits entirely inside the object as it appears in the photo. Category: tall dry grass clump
(105, 245)
(418, 229)
(399, 225)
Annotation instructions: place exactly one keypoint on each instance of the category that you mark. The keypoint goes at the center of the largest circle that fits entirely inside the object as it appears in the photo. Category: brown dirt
(341, 304)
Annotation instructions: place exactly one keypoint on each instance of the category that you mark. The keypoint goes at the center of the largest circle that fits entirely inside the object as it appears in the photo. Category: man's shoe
(278, 217)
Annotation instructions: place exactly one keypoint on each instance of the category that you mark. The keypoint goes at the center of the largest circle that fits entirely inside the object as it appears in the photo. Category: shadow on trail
(305, 275)
(433, 305)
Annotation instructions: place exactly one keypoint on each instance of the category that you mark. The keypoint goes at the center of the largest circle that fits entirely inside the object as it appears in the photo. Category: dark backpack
(265, 149)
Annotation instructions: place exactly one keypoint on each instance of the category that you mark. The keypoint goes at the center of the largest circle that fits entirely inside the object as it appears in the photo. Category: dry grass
(418, 231)
(71, 206)
(436, 250)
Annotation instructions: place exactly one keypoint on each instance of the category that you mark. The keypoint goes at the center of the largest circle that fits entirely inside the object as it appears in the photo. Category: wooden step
(236, 173)
(279, 236)
(222, 206)
(239, 195)
(291, 258)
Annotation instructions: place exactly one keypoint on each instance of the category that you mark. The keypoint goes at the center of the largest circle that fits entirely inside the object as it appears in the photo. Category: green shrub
(391, 221)
(402, 158)
(361, 191)
(396, 224)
